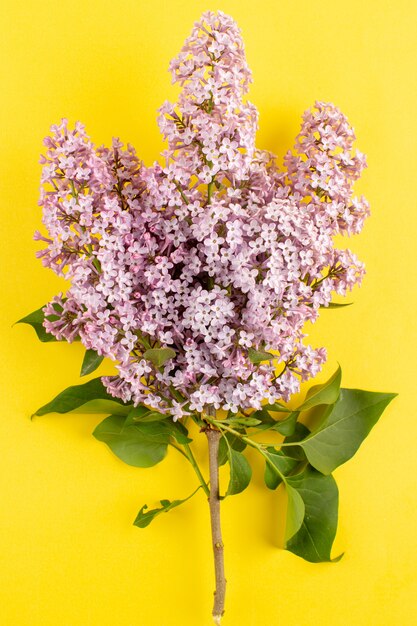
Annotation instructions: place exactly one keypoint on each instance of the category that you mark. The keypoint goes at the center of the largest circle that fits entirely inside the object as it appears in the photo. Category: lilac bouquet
(196, 277)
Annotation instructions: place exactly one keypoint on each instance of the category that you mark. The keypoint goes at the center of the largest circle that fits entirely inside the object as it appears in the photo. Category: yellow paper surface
(69, 553)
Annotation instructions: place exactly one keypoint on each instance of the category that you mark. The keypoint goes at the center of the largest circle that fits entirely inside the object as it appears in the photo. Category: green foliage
(145, 517)
(314, 538)
(234, 442)
(91, 362)
(277, 465)
(327, 393)
(177, 431)
(35, 320)
(143, 414)
(295, 511)
(159, 356)
(140, 445)
(257, 356)
(306, 459)
(287, 426)
(284, 426)
(276, 407)
(337, 305)
(263, 416)
(302, 463)
(91, 397)
(345, 425)
(296, 452)
(243, 421)
(240, 472)
(266, 421)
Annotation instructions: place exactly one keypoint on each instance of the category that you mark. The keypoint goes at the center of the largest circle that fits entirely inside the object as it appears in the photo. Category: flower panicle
(215, 252)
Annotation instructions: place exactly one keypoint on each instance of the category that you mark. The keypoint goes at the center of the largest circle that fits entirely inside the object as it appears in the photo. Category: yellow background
(69, 553)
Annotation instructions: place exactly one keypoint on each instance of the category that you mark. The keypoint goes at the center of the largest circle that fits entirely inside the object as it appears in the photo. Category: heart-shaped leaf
(140, 445)
(344, 428)
(314, 539)
(144, 517)
(91, 397)
(159, 356)
(327, 393)
(90, 362)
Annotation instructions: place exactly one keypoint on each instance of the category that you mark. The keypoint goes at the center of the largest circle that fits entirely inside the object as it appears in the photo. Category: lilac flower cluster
(215, 254)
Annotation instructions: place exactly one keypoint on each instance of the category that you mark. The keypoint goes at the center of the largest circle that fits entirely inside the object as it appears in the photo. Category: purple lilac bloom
(214, 253)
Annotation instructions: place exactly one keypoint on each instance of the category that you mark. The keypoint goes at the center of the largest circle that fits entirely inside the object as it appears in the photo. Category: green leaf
(344, 428)
(141, 413)
(35, 320)
(159, 356)
(91, 397)
(277, 406)
(140, 445)
(176, 430)
(240, 472)
(91, 362)
(295, 452)
(234, 442)
(283, 464)
(267, 422)
(243, 421)
(300, 432)
(96, 264)
(263, 416)
(295, 511)
(327, 393)
(287, 426)
(314, 539)
(257, 356)
(162, 423)
(336, 305)
(144, 517)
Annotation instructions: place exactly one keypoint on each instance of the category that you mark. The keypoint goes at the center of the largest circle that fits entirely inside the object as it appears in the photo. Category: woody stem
(213, 437)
